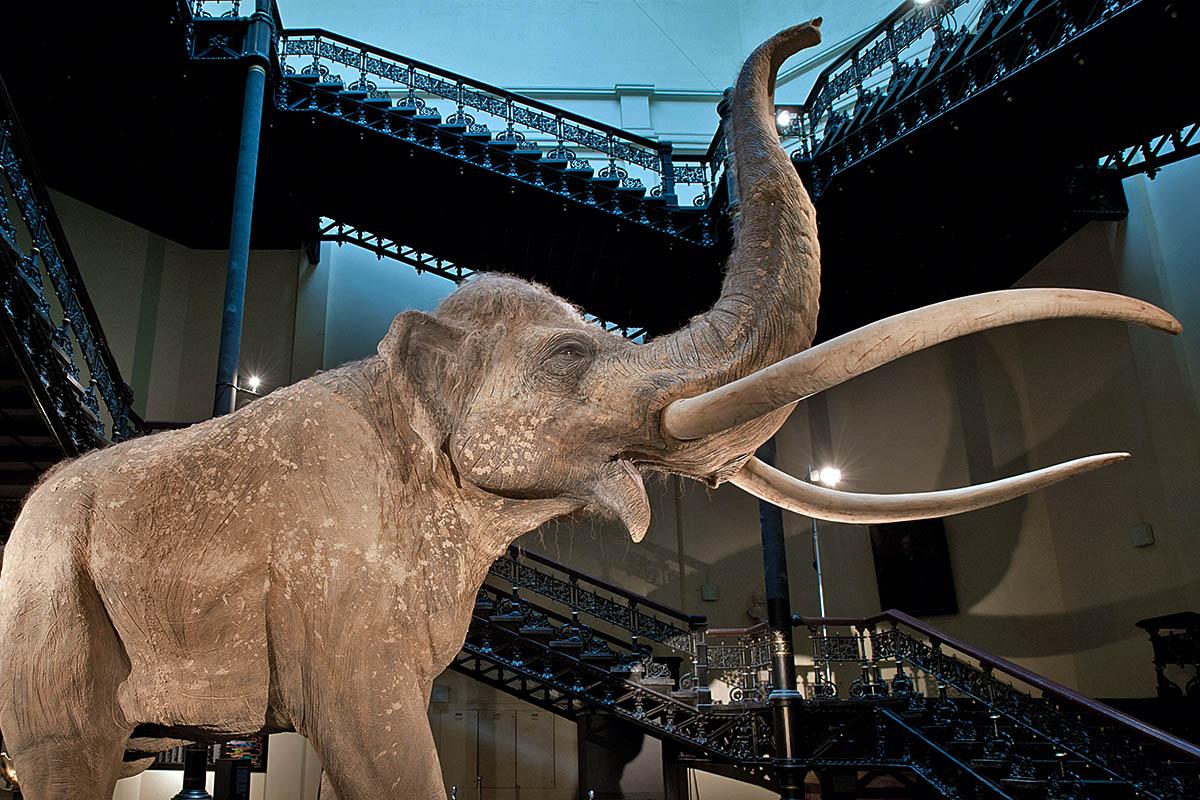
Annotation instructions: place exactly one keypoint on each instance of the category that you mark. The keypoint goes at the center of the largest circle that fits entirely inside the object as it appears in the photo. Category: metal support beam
(784, 698)
(675, 774)
(195, 761)
(258, 51)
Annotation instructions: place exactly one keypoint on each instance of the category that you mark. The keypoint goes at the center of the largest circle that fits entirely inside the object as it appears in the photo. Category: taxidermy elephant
(310, 562)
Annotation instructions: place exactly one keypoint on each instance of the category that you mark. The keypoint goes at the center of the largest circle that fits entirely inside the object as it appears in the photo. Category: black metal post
(675, 774)
(784, 698)
(258, 50)
(667, 164)
(195, 762)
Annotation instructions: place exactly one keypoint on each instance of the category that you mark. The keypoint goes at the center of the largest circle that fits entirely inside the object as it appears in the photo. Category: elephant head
(532, 402)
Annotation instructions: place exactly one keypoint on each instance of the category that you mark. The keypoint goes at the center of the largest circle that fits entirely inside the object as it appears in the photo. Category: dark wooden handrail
(720, 633)
(521, 99)
(997, 664)
(692, 620)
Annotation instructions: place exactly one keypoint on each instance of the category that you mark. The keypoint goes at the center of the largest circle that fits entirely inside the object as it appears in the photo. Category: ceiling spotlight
(922, 2)
(829, 476)
(254, 382)
(784, 119)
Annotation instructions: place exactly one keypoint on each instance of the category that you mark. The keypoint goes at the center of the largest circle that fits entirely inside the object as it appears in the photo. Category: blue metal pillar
(784, 698)
(258, 50)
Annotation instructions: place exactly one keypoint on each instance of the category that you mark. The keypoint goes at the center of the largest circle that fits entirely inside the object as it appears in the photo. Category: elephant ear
(428, 354)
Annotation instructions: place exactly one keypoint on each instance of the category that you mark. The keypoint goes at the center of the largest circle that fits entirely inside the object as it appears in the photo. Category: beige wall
(160, 305)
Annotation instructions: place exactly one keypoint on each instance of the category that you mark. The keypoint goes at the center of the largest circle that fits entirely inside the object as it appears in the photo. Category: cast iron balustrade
(917, 65)
(879, 58)
(49, 322)
(872, 98)
(884, 693)
(602, 602)
(629, 160)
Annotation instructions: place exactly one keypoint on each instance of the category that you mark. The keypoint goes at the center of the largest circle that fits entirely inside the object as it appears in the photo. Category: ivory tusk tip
(1100, 460)
(1163, 321)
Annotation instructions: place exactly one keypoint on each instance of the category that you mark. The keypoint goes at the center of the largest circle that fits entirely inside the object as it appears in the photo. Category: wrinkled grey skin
(310, 562)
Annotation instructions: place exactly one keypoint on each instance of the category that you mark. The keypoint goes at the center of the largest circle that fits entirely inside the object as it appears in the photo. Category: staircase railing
(872, 61)
(49, 321)
(483, 108)
(602, 600)
(614, 606)
(948, 711)
(895, 656)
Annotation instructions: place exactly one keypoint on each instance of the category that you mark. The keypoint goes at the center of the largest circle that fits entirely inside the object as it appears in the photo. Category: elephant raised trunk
(746, 363)
(768, 304)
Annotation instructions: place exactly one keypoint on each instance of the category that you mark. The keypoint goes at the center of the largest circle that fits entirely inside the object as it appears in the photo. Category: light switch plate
(1141, 535)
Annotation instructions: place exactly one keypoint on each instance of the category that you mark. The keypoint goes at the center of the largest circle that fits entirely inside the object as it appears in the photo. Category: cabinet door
(566, 758)
(498, 749)
(536, 749)
(456, 732)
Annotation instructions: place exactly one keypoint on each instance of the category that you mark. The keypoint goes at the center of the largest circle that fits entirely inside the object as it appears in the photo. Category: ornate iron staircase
(887, 695)
(61, 392)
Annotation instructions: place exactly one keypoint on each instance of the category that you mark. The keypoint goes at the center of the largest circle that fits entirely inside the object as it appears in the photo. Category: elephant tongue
(621, 493)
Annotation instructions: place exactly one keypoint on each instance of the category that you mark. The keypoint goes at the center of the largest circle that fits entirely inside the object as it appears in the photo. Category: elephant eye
(567, 358)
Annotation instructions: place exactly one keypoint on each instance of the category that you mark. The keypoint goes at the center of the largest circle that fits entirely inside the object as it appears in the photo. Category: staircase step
(540, 633)
(353, 94)
(609, 183)
(330, 86)
(483, 606)
(378, 102)
(568, 645)
(478, 136)
(556, 163)
(579, 172)
(454, 127)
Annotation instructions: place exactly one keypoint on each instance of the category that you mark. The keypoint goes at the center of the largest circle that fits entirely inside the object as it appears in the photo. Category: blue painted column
(784, 699)
(258, 50)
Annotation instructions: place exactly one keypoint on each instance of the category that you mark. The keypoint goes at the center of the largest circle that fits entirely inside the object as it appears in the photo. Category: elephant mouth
(621, 492)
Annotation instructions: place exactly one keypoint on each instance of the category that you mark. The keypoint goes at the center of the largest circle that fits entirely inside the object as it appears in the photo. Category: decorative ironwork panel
(574, 593)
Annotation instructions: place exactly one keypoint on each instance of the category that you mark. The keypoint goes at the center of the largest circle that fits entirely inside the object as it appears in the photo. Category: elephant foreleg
(376, 745)
(62, 722)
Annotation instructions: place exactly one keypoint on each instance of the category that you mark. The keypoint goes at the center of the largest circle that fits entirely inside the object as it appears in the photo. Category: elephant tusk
(862, 350)
(768, 483)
